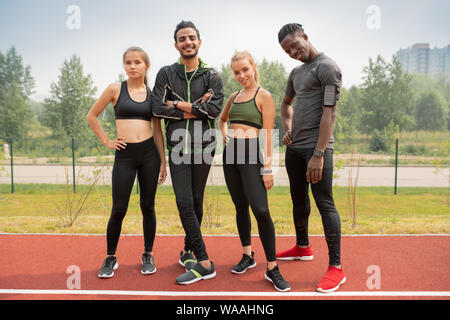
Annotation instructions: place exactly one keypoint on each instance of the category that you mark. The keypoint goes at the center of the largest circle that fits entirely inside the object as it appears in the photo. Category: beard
(191, 55)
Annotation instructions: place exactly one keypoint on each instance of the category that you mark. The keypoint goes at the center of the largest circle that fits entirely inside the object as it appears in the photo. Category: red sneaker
(331, 280)
(296, 253)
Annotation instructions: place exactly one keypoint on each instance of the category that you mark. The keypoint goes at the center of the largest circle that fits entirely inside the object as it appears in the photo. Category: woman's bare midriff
(134, 130)
(242, 131)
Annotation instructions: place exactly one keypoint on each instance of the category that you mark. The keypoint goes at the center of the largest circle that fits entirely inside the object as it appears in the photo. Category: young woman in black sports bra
(247, 176)
(139, 150)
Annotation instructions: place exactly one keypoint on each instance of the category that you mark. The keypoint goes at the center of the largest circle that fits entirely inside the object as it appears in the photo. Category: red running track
(377, 267)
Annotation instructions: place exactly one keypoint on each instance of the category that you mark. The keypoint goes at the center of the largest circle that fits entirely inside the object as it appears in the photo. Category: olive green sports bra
(246, 112)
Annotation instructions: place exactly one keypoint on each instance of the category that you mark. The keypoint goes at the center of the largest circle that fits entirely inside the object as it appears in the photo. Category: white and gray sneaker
(148, 264)
(109, 265)
(197, 273)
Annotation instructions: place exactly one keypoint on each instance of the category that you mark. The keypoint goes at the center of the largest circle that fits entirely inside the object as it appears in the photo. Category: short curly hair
(288, 29)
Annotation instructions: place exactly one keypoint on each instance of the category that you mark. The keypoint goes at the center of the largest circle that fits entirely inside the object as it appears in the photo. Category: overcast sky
(45, 32)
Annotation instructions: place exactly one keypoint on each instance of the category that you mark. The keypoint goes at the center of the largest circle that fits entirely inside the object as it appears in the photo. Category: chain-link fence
(63, 163)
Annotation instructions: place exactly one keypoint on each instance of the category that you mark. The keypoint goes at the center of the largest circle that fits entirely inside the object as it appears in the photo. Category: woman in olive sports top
(248, 176)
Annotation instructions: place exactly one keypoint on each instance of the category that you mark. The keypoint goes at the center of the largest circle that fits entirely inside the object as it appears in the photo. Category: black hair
(288, 29)
(185, 24)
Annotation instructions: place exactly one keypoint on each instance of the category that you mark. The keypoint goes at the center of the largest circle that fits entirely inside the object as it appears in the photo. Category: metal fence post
(73, 164)
(396, 165)
(12, 165)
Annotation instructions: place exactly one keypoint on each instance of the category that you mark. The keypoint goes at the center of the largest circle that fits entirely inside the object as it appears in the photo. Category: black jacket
(172, 83)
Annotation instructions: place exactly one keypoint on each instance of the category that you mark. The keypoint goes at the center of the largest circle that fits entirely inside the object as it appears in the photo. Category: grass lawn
(37, 208)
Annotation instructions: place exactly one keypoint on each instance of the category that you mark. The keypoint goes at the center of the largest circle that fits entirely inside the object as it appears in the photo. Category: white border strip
(232, 293)
(227, 235)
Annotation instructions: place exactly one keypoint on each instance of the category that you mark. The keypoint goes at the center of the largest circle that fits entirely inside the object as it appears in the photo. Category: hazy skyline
(45, 32)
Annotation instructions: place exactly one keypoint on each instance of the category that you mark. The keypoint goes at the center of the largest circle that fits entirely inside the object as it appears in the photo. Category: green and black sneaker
(197, 273)
(187, 260)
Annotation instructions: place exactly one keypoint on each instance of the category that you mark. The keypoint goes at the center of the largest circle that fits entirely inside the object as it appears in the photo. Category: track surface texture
(66, 266)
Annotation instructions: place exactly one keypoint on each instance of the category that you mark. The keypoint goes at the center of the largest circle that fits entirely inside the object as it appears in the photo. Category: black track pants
(141, 158)
(189, 174)
(242, 171)
(296, 165)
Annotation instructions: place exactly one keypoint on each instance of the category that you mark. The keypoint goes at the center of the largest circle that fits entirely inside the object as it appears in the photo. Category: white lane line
(225, 235)
(232, 293)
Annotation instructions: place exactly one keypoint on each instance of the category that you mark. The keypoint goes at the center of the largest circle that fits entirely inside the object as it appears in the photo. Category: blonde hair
(144, 57)
(240, 55)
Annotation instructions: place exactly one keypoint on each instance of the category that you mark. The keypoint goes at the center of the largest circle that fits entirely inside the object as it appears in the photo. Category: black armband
(330, 92)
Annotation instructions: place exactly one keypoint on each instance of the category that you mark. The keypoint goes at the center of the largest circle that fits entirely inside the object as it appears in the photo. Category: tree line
(387, 102)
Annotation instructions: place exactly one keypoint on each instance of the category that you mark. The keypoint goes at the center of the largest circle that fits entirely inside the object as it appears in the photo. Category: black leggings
(296, 164)
(242, 169)
(189, 174)
(142, 158)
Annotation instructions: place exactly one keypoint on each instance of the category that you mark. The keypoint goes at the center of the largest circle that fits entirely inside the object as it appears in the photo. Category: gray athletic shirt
(305, 84)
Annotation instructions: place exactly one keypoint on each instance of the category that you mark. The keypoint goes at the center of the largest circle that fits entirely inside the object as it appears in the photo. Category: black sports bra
(127, 108)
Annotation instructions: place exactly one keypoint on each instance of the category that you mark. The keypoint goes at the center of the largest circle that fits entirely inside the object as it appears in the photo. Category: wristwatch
(175, 103)
(318, 153)
(266, 171)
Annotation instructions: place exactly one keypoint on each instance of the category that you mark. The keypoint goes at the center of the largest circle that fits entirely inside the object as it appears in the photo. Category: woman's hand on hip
(116, 144)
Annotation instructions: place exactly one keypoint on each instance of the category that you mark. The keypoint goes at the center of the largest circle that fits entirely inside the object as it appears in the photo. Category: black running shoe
(187, 260)
(197, 273)
(148, 264)
(277, 279)
(109, 265)
(246, 262)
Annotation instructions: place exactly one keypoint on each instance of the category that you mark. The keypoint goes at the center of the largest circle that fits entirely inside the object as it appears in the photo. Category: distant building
(421, 59)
